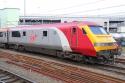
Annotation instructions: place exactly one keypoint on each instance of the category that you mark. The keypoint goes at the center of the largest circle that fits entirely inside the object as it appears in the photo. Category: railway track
(116, 68)
(59, 71)
(120, 60)
(7, 77)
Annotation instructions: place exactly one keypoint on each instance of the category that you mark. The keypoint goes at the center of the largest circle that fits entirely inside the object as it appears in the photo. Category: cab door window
(84, 32)
(74, 30)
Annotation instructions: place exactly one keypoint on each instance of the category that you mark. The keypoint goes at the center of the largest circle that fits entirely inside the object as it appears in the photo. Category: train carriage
(81, 41)
(3, 37)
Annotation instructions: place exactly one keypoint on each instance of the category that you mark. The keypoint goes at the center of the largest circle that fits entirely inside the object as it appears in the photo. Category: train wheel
(60, 55)
(15, 47)
(21, 48)
(119, 51)
(6, 46)
(77, 57)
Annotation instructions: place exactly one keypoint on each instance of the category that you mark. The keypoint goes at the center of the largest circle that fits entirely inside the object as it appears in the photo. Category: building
(111, 24)
(115, 23)
(9, 17)
(30, 20)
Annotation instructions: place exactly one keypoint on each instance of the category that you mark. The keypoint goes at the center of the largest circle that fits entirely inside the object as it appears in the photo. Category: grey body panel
(51, 41)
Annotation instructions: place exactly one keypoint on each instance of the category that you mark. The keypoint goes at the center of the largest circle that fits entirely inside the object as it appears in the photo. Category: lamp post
(24, 7)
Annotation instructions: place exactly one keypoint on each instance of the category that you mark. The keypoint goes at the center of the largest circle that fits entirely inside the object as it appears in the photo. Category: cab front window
(99, 30)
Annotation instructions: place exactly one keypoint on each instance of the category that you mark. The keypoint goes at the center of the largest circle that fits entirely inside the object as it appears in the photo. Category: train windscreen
(99, 30)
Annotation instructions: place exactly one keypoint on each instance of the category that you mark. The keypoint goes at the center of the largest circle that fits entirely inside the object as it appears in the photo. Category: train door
(24, 36)
(74, 35)
(7, 35)
(45, 37)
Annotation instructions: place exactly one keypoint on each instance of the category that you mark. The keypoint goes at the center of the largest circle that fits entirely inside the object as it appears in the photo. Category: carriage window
(84, 32)
(16, 34)
(45, 33)
(1, 34)
(24, 33)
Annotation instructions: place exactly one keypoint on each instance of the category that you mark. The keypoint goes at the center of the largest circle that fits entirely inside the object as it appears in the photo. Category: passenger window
(84, 32)
(16, 34)
(45, 33)
(1, 34)
(24, 33)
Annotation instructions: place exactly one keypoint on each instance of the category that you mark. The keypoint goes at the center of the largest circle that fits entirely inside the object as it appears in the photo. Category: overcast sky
(67, 7)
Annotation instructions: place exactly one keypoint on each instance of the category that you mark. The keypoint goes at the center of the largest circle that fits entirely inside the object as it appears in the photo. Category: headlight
(99, 44)
(105, 44)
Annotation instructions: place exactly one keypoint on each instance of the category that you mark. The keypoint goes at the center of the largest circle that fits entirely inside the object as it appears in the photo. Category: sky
(67, 7)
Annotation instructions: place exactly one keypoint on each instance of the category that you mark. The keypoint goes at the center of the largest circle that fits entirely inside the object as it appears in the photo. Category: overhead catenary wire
(115, 13)
(74, 6)
(91, 10)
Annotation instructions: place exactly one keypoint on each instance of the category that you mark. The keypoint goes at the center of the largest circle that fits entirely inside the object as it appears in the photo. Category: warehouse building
(110, 24)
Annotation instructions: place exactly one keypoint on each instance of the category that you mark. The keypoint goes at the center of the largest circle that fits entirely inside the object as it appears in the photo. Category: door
(45, 37)
(74, 37)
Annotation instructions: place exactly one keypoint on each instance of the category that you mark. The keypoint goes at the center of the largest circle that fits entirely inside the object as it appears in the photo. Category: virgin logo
(33, 38)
